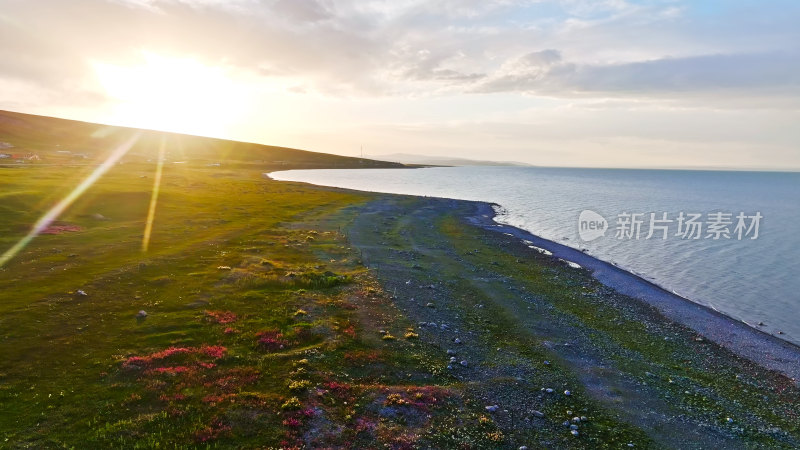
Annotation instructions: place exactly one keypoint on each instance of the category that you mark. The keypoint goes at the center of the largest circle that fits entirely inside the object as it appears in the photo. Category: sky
(578, 83)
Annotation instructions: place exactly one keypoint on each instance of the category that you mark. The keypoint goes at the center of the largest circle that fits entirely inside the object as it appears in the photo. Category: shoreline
(768, 351)
(764, 349)
(524, 321)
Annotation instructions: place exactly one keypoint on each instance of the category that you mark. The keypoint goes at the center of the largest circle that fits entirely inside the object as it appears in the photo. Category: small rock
(538, 414)
(729, 420)
(451, 352)
(547, 363)
(576, 420)
(573, 427)
(463, 363)
(566, 423)
(584, 419)
(549, 391)
(430, 305)
(524, 447)
(574, 432)
(141, 314)
(449, 367)
(567, 393)
(457, 341)
(81, 292)
(452, 359)
(492, 408)
(630, 444)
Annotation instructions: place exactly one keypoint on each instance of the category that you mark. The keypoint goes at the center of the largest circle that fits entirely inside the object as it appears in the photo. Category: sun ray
(151, 213)
(61, 206)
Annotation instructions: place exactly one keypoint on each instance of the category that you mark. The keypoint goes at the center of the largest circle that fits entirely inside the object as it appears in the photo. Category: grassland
(277, 315)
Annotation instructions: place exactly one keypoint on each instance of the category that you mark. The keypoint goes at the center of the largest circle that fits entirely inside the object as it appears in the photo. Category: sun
(173, 94)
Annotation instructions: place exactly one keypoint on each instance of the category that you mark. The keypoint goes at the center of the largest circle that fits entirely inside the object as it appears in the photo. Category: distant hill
(407, 158)
(41, 139)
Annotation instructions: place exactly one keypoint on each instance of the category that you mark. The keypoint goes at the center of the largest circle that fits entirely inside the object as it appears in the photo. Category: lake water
(754, 280)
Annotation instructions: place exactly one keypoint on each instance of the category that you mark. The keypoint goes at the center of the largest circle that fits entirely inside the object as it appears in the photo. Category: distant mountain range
(407, 158)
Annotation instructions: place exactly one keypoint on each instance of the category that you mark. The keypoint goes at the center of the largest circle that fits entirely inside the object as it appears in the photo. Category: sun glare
(172, 94)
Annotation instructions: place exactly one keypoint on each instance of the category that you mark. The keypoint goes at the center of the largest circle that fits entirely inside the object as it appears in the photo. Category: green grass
(61, 352)
(261, 321)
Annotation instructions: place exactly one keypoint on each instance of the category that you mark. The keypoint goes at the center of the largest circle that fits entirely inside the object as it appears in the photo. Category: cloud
(407, 47)
(546, 72)
(302, 11)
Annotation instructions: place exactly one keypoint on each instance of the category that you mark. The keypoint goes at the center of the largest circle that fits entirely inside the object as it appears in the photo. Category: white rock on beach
(492, 408)
(141, 314)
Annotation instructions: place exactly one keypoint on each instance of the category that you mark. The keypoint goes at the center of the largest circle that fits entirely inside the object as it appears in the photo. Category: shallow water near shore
(749, 279)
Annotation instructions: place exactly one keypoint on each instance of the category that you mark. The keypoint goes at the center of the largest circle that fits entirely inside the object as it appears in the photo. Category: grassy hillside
(64, 141)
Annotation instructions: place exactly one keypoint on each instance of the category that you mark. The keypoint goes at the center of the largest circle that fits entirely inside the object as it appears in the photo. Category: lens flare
(151, 213)
(61, 206)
